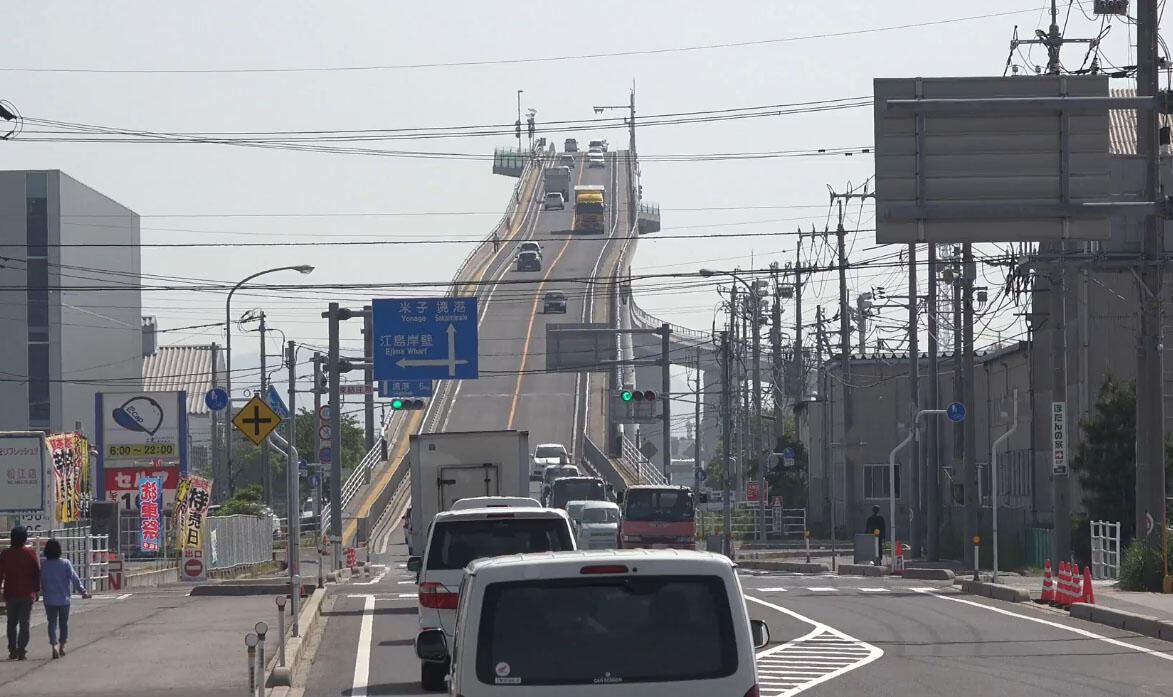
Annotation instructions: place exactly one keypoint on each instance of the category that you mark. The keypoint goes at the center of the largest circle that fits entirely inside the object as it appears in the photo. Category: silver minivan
(625, 623)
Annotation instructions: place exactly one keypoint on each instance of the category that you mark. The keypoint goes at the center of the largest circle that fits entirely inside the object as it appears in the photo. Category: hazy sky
(200, 192)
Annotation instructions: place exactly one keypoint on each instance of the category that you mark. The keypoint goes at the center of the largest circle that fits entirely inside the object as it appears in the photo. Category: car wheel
(432, 676)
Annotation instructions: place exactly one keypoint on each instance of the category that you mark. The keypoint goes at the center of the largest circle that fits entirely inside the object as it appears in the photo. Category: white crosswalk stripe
(772, 590)
(874, 590)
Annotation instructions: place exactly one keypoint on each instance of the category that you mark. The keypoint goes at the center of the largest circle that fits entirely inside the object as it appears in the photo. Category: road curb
(274, 587)
(929, 574)
(997, 591)
(279, 678)
(1121, 619)
(789, 566)
(862, 570)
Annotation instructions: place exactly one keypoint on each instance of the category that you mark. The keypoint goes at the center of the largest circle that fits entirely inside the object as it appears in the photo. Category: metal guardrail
(359, 476)
(646, 320)
(502, 225)
(641, 467)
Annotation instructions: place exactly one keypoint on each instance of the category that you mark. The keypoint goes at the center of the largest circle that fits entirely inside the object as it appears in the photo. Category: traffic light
(626, 395)
(637, 396)
(517, 128)
(407, 404)
(530, 123)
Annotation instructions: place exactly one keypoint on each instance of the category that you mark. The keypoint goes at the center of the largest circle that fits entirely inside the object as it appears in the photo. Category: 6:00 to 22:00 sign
(140, 450)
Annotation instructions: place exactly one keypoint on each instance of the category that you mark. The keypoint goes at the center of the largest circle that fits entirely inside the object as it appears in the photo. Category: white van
(495, 502)
(626, 623)
(598, 526)
(458, 537)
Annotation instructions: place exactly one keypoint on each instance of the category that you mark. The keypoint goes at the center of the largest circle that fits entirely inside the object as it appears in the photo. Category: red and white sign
(753, 491)
(192, 568)
(121, 484)
(351, 561)
(114, 574)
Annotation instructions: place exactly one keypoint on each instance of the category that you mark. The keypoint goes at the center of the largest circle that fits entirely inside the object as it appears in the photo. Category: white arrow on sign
(451, 361)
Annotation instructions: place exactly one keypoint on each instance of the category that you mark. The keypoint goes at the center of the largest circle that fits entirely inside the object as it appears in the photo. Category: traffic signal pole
(665, 377)
(335, 436)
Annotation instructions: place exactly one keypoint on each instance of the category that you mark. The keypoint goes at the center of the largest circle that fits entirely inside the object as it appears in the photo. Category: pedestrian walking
(58, 581)
(876, 522)
(20, 575)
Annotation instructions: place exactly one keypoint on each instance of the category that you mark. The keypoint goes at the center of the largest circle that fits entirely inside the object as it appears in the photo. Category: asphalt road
(830, 635)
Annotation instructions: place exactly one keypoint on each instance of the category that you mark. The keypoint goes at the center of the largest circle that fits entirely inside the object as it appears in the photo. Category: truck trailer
(589, 207)
(557, 179)
(446, 467)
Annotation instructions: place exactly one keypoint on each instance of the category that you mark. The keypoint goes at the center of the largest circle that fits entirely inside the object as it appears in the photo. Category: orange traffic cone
(1089, 596)
(1076, 586)
(1064, 580)
(1048, 584)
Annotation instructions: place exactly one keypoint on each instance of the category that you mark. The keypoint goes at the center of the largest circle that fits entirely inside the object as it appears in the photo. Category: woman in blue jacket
(58, 580)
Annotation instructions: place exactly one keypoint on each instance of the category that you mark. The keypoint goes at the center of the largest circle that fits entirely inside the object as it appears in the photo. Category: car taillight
(434, 596)
(753, 692)
(604, 569)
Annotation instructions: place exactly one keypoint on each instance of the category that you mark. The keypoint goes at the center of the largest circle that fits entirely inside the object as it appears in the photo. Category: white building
(70, 303)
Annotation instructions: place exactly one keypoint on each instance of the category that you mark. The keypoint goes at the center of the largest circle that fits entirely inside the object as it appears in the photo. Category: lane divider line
(362, 655)
(1057, 625)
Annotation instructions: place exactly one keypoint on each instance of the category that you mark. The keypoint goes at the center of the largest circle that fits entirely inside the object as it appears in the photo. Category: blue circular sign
(955, 411)
(703, 475)
(315, 479)
(216, 398)
(788, 452)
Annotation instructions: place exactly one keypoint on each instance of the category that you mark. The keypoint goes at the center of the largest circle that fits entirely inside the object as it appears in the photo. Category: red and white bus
(657, 517)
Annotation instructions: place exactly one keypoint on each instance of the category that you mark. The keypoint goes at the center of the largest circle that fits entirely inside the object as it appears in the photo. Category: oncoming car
(529, 261)
(630, 623)
(554, 302)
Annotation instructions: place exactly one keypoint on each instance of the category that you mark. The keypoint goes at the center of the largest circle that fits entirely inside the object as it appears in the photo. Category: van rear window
(621, 629)
(456, 543)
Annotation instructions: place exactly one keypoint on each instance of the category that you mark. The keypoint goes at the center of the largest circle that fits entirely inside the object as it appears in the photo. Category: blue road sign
(315, 479)
(216, 398)
(302, 465)
(425, 338)
(703, 475)
(273, 399)
(324, 453)
(389, 389)
(955, 411)
(788, 452)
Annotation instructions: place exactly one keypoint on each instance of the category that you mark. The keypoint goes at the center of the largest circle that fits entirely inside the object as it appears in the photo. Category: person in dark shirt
(876, 522)
(20, 575)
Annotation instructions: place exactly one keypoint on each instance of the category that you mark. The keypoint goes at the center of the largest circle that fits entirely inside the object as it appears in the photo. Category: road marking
(770, 590)
(371, 582)
(409, 595)
(404, 583)
(822, 654)
(823, 589)
(362, 656)
(1057, 625)
(873, 590)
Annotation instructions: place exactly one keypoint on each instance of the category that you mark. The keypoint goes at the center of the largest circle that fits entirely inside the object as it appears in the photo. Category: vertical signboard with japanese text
(24, 492)
(70, 456)
(138, 429)
(150, 515)
(1058, 438)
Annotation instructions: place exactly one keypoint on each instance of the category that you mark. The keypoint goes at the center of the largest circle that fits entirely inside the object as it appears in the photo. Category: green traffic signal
(625, 395)
(397, 404)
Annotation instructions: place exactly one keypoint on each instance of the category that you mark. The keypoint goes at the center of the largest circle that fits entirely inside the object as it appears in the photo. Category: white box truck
(558, 179)
(446, 467)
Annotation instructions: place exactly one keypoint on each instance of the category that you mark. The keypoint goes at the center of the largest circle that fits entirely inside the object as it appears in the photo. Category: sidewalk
(1152, 604)
(148, 642)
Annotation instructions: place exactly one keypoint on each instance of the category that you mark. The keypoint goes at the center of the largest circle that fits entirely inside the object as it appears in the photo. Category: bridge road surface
(513, 391)
(830, 636)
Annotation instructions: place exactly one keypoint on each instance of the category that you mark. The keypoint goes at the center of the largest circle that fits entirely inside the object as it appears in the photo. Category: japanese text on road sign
(425, 338)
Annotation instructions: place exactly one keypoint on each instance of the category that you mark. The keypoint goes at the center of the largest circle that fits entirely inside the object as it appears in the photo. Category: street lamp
(302, 269)
(518, 126)
(756, 431)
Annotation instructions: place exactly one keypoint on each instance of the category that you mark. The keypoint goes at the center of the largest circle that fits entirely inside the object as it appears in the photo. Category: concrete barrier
(862, 570)
(929, 574)
(788, 566)
(1121, 619)
(150, 579)
(997, 591)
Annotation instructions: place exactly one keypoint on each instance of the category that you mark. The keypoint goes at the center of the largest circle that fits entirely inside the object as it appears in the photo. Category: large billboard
(956, 171)
(140, 429)
(23, 465)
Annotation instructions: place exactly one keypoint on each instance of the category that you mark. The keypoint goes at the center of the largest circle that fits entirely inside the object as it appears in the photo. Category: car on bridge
(568, 489)
(458, 538)
(529, 261)
(552, 473)
(566, 161)
(598, 526)
(554, 302)
(554, 201)
(632, 623)
(571, 145)
(530, 247)
(595, 159)
(548, 455)
(597, 146)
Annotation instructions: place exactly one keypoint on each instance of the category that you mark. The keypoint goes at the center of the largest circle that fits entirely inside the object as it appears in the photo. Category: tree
(247, 501)
(1106, 458)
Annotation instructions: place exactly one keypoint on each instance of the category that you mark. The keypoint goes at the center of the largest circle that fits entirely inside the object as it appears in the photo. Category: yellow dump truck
(589, 207)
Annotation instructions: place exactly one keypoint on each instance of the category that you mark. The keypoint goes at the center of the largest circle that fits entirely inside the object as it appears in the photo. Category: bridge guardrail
(359, 476)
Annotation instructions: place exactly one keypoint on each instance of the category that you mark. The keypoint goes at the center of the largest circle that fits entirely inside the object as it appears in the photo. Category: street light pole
(302, 269)
(519, 121)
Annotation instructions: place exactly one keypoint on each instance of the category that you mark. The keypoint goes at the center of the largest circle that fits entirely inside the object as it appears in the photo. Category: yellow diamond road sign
(256, 420)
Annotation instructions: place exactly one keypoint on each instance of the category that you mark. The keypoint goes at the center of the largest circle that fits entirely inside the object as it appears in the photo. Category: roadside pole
(317, 489)
(666, 378)
(336, 437)
(725, 434)
(994, 479)
(292, 493)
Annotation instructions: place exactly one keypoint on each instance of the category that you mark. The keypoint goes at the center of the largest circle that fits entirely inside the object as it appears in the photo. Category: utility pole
(969, 425)
(216, 418)
(266, 474)
(696, 431)
(368, 333)
(912, 483)
(1150, 408)
(317, 502)
(1062, 494)
(734, 379)
(932, 451)
(666, 378)
(1053, 41)
(799, 365)
(756, 430)
(726, 434)
(517, 126)
(292, 495)
(335, 403)
(776, 370)
(828, 424)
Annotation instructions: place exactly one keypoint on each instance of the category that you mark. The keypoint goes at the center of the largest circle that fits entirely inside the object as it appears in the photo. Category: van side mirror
(414, 564)
(431, 646)
(759, 629)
